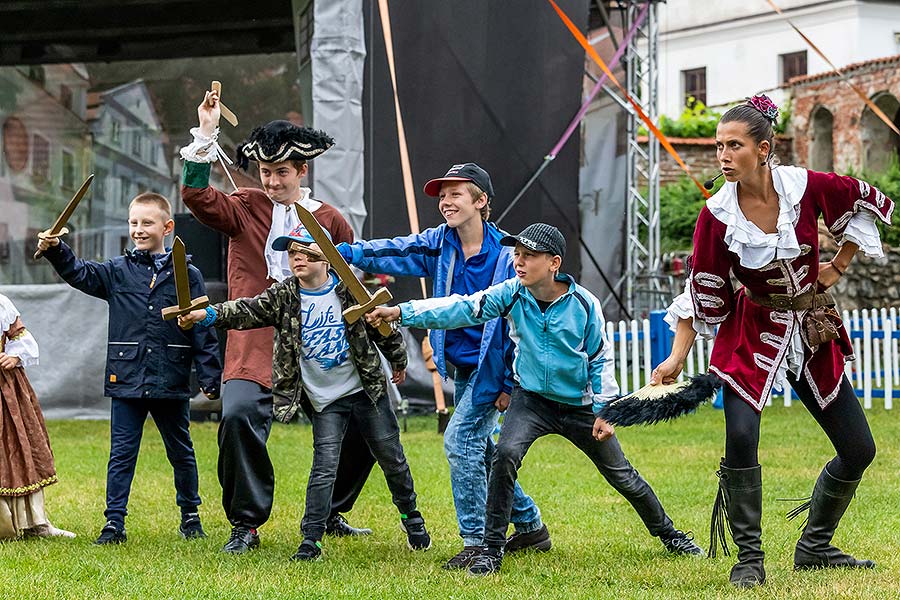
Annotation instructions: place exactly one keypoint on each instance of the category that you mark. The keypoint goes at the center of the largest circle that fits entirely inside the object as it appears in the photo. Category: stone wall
(833, 128)
(868, 282)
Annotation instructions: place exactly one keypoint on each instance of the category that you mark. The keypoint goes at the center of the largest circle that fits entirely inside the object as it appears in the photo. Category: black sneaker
(309, 550)
(464, 559)
(538, 540)
(413, 524)
(243, 539)
(190, 528)
(338, 526)
(487, 562)
(112, 533)
(679, 542)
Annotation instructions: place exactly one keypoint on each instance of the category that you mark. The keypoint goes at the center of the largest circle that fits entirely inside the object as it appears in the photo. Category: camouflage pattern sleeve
(252, 313)
(392, 346)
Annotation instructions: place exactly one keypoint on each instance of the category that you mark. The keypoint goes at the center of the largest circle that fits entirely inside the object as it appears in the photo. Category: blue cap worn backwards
(299, 235)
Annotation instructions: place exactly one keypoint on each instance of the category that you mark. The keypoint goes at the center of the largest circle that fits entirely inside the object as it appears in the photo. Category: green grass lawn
(600, 548)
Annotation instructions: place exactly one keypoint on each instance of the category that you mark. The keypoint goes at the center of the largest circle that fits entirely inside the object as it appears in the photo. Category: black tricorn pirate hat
(279, 141)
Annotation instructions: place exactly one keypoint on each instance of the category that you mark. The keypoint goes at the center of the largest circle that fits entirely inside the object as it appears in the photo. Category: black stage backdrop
(490, 82)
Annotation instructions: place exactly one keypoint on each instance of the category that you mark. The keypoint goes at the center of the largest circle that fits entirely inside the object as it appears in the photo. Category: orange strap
(411, 208)
(838, 72)
(576, 33)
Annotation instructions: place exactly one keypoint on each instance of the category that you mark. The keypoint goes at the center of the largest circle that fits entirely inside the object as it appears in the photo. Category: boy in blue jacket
(464, 256)
(148, 361)
(563, 368)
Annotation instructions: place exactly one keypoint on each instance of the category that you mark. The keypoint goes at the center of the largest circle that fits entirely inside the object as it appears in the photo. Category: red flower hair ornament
(764, 104)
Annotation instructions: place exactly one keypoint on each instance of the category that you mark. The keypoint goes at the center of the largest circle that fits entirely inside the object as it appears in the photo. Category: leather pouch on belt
(821, 325)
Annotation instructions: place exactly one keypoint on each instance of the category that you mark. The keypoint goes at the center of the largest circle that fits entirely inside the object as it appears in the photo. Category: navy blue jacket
(146, 357)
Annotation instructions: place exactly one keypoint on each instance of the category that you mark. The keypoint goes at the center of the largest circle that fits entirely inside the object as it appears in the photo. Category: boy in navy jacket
(148, 360)
(564, 374)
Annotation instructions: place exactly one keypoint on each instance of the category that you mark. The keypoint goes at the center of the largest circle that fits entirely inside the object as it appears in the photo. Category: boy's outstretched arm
(244, 313)
(92, 278)
(413, 255)
(451, 312)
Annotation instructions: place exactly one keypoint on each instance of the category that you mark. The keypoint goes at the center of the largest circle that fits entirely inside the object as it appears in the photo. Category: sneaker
(464, 559)
(338, 526)
(487, 562)
(309, 550)
(112, 533)
(679, 542)
(190, 528)
(538, 540)
(413, 524)
(243, 539)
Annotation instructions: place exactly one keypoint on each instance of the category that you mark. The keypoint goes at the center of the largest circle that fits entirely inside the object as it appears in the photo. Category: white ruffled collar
(284, 220)
(755, 248)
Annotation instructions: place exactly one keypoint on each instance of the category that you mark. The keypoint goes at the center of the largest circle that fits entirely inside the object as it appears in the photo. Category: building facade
(721, 51)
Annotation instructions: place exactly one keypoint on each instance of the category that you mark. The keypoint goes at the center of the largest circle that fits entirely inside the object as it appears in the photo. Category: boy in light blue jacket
(564, 374)
(464, 256)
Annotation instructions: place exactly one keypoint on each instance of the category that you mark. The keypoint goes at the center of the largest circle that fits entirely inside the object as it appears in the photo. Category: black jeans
(245, 470)
(843, 421)
(172, 418)
(378, 426)
(531, 416)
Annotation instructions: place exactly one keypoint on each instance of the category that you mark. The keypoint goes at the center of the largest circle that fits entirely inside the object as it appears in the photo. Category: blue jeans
(469, 446)
(378, 426)
(172, 418)
(531, 416)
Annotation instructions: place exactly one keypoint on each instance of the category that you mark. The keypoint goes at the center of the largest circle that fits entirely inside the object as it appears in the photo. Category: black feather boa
(630, 410)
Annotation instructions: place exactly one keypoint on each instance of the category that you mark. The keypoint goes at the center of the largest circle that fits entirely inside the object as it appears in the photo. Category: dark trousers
(531, 416)
(172, 418)
(245, 470)
(843, 421)
(378, 426)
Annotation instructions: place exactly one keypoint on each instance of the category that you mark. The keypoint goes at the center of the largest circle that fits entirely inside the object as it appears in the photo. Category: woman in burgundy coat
(761, 228)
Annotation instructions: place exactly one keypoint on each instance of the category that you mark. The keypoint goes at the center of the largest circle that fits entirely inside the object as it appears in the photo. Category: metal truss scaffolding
(642, 286)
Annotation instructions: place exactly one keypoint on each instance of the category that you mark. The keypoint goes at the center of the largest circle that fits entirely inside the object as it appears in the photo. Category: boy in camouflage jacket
(332, 369)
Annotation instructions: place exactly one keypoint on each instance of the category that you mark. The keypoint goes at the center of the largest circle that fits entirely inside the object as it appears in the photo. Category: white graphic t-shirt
(327, 370)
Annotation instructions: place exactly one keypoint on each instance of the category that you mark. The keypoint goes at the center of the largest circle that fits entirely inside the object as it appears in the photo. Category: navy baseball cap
(299, 234)
(539, 237)
(462, 172)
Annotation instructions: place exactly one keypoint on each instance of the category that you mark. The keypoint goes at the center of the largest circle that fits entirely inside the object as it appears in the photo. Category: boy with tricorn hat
(252, 219)
(563, 369)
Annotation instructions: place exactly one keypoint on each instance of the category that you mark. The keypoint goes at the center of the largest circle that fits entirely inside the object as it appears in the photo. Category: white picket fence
(875, 334)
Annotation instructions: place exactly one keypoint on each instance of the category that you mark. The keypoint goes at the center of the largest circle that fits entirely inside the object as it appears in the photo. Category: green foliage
(679, 205)
(600, 547)
(889, 184)
(784, 117)
(695, 120)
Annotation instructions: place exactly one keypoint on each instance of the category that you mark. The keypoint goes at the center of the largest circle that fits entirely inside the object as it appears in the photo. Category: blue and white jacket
(429, 254)
(562, 354)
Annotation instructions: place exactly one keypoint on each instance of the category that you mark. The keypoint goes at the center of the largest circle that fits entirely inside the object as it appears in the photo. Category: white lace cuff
(683, 308)
(862, 231)
(203, 149)
(25, 347)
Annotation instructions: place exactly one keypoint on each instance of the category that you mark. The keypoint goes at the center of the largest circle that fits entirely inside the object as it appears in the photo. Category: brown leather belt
(786, 302)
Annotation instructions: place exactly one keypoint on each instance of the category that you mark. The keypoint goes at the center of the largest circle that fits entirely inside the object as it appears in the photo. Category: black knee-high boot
(830, 499)
(739, 504)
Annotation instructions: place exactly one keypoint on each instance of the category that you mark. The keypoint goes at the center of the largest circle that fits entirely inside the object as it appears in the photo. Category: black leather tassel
(719, 522)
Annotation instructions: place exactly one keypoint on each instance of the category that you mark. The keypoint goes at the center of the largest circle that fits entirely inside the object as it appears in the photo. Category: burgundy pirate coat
(754, 342)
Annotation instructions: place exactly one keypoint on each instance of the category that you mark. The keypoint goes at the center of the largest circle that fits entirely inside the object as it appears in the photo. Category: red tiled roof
(848, 70)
